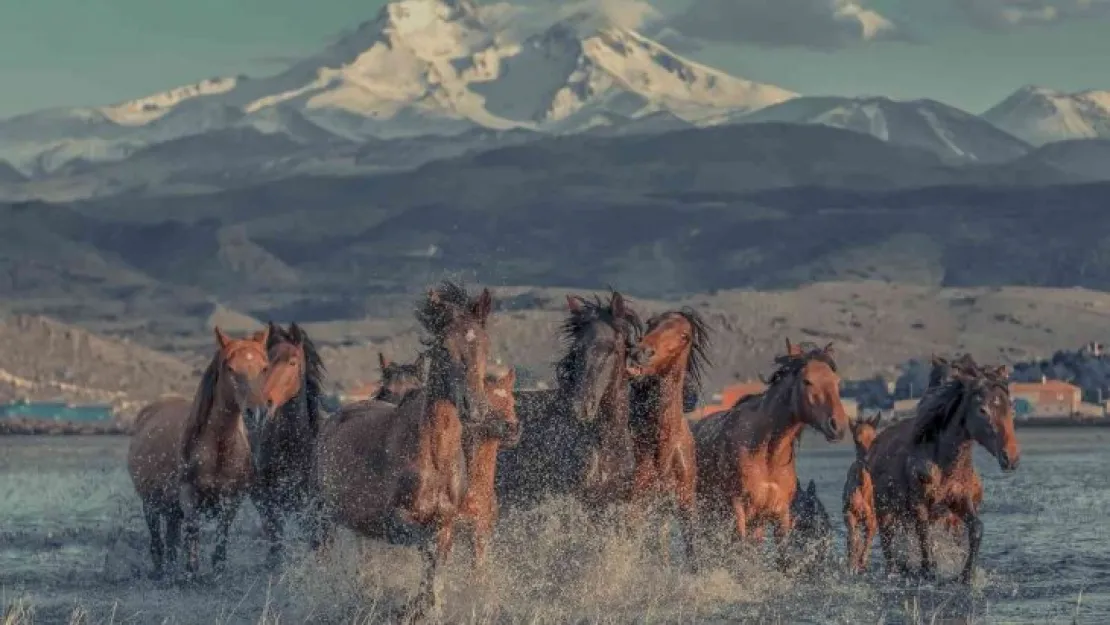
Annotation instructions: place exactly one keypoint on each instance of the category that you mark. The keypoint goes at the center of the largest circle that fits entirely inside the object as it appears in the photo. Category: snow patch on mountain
(1039, 115)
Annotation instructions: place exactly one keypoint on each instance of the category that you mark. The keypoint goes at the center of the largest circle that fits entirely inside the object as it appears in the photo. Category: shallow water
(71, 538)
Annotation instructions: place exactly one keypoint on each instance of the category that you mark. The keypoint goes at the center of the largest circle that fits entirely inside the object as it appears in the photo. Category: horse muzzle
(1008, 464)
(832, 430)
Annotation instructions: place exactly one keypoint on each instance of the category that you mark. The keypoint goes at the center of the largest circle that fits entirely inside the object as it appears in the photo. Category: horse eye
(685, 338)
(807, 382)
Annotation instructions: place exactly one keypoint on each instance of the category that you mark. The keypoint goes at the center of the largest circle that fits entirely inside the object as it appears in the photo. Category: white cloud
(820, 24)
(1005, 14)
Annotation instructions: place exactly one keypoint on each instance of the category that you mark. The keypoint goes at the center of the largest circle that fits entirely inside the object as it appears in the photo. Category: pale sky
(969, 53)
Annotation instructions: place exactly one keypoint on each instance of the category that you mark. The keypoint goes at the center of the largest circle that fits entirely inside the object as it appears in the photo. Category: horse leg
(886, 538)
(871, 526)
(853, 540)
(928, 567)
(974, 539)
(270, 517)
(687, 522)
(783, 525)
(225, 516)
(173, 535)
(153, 515)
(434, 555)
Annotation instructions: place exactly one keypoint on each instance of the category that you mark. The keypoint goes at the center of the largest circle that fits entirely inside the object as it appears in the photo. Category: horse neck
(226, 414)
(615, 407)
(292, 422)
(952, 447)
(439, 387)
(779, 431)
(658, 404)
(481, 464)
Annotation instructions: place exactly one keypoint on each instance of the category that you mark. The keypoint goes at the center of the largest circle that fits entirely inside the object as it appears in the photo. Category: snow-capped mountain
(1040, 115)
(947, 131)
(421, 67)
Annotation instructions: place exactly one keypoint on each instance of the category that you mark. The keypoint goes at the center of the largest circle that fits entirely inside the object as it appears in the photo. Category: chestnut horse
(859, 496)
(398, 473)
(576, 439)
(398, 379)
(922, 467)
(673, 352)
(188, 459)
(481, 444)
(942, 371)
(746, 455)
(288, 440)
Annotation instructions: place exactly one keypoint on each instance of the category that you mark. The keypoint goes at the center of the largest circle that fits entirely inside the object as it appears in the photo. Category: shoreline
(49, 427)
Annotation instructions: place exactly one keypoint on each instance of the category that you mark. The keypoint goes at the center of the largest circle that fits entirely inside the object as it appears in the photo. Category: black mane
(314, 370)
(438, 308)
(578, 322)
(793, 363)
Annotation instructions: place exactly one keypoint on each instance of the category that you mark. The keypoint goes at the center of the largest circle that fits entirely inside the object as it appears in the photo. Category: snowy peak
(948, 132)
(1039, 115)
(145, 110)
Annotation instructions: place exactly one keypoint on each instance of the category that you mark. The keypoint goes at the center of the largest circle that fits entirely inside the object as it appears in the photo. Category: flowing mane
(700, 345)
(436, 310)
(203, 402)
(576, 324)
(790, 364)
(940, 405)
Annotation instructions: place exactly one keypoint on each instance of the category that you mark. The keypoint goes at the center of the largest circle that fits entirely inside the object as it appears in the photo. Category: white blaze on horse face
(501, 393)
(470, 335)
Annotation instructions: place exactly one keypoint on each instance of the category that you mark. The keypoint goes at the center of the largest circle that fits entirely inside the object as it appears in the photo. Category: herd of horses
(448, 441)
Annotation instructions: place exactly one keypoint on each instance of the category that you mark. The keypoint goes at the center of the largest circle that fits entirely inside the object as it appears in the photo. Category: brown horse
(859, 496)
(481, 444)
(188, 459)
(942, 371)
(398, 379)
(922, 468)
(746, 455)
(576, 439)
(673, 351)
(398, 473)
(283, 463)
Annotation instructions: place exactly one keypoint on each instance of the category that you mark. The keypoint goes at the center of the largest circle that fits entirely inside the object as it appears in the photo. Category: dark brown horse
(922, 467)
(189, 459)
(673, 352)
(287, 440)
(942, 371)
(859, 496)
(746, 455)
(398, 474)
(481, 444)
(576, 439)
(398, 379)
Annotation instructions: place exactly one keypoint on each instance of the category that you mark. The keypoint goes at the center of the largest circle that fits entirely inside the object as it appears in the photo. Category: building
(904, 409)
(1047, 398)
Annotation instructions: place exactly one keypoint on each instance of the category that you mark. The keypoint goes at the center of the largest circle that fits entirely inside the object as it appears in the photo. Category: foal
(859, 496)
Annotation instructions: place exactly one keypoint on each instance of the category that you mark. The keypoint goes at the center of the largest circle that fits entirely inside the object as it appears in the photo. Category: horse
(943, 370)
(672, 352)
(811, 539)
(922, 467)
(284, 466)
(398, 473)
(859, 496)
(479, 509)
(398, 379)
(188, 459)
(576, 439)
(746, 455)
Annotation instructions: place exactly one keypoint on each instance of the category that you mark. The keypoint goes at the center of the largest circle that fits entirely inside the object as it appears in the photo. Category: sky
(968, 53)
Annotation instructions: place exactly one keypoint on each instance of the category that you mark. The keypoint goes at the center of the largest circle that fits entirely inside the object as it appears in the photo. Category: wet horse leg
(173, 535)
(270, 517)
(886, 538)
(225, 516)
(434, 554)
(687, 521)
(153, 514)
(783, 525)
(871, 527)
(854, 542)
(974, 540)
(921, 527)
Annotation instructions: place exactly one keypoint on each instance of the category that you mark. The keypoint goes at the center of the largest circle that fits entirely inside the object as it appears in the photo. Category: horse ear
(262, 336)
(812, 488)
(509, 379)
(829, 350)
(297, 333)
(878, 418)
(618, 306)
(483, 306)
(419, 364)
(1002, 372)
(433, 296)
(792, 349)
(222, 339)
(574, 303)
(383, 362)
